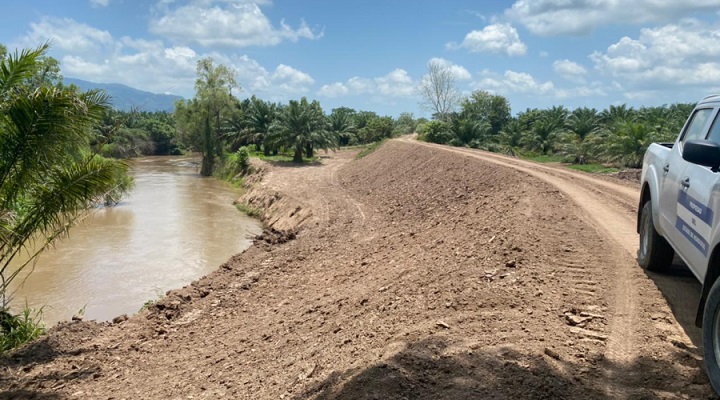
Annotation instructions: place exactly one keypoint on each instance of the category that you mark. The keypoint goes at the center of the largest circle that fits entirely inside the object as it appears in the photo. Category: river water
(175, 227)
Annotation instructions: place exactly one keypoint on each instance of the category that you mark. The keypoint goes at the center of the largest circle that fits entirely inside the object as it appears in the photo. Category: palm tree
(301, 126)
(618, 114)
(584, 122)
(48, 176)
(626, 144)
(468, 132)
(259, 117)
(511, 137)
(341, 125)
(545, 131)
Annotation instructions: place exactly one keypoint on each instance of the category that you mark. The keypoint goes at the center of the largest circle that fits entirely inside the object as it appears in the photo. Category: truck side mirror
(702, 152)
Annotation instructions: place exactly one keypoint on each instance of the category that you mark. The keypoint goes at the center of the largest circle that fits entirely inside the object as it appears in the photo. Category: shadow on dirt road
(423, 370)
(682, 291)
(34, 355)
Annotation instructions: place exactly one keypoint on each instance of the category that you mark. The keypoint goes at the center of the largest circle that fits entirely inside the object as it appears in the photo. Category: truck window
(695, 127)
(714, 134)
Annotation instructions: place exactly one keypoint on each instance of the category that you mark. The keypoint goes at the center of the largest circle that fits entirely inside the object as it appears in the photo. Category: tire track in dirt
(606, 209)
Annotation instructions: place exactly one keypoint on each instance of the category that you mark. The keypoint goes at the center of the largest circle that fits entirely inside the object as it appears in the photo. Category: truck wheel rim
(716, 336)
(645, 236)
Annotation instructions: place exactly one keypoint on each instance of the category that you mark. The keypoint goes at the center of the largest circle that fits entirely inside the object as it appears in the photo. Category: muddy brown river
(175, 227)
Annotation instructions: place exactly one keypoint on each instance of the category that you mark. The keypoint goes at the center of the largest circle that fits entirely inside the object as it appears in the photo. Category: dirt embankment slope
(417, 273)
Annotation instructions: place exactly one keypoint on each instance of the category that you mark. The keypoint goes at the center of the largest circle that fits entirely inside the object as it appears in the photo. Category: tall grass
(16, 330)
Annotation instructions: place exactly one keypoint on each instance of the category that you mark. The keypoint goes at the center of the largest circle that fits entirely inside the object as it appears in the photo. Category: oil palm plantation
(48, 175)
(545, 132)
(301, 126)
(259, 116)
(626, 144)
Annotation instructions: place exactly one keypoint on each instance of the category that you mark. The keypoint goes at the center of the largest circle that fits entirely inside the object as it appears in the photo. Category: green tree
(161, 133)
(511, 137)
(617, 114)
(258, 119)
(405, 124)
(544, 132)
(436, 132)
(626, 143)
(213, 91)
(301, 127)
(584, 122)
(48, 176)
(482, 106)
(377, 129)
(467, 132)
(362, 118)
(341, 125)
(188, 123)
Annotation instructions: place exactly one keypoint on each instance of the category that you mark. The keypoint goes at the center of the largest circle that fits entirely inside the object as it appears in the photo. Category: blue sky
(370, 55)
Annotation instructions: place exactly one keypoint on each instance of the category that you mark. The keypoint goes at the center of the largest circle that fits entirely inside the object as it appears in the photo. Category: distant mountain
(124, 97)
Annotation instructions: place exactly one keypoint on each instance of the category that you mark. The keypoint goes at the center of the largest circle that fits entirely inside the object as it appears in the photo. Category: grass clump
(16, 330)
(593, 168)
(283, 157)
(249, 211)
(545, 158)
(370, 148)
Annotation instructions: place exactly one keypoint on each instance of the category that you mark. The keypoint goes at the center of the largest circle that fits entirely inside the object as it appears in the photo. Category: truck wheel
(655, 253)
(711, 335)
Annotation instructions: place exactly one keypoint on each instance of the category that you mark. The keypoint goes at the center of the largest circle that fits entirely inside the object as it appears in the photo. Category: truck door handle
(666, 168)
(686, 182)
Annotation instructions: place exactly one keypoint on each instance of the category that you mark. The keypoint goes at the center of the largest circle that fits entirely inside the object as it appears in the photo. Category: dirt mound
(414, 273)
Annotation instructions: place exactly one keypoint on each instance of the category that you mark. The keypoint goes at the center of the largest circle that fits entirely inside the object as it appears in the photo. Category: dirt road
(417, 272)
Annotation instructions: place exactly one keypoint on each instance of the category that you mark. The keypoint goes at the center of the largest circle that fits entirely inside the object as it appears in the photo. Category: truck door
(673, 172)
(697, 210)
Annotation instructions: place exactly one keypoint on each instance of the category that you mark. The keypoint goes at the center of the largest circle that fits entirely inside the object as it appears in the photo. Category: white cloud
(94, 55)
(570, 70)
(336, 89)
(523, 83)
(578, 17)
(99, 3)
(495, 38)
(459, 72)
(235, 24)
(397, 83)
(66, 34)
(517, 82)
(669, 56)
(291, 80)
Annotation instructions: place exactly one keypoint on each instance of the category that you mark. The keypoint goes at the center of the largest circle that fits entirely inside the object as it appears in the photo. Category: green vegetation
(250, 211)
(545, 158)
(50, 175)
(617, 136)
(16, 330)
(370, 148)
(594, 168)
(217, 124)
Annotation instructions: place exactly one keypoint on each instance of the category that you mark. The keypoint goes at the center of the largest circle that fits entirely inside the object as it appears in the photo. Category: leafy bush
(243, 159)
(234, 164)
(436, 132)
(16, 330)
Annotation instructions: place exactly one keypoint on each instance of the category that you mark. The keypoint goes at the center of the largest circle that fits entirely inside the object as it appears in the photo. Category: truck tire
(711, 335)
(655, 253)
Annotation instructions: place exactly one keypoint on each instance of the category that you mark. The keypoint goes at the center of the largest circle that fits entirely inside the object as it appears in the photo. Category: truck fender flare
(712, 274)
(650, 189)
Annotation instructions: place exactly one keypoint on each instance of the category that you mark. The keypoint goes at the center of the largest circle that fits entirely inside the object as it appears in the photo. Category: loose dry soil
(417, 272)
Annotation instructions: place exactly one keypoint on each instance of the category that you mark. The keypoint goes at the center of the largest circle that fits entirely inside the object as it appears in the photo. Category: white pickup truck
(678, 214)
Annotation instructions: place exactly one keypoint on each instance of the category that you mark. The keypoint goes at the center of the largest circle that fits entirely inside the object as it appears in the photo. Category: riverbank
(163, 235)
(413, 273)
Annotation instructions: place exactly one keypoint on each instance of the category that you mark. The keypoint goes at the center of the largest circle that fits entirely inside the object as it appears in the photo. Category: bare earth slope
(418, 272)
